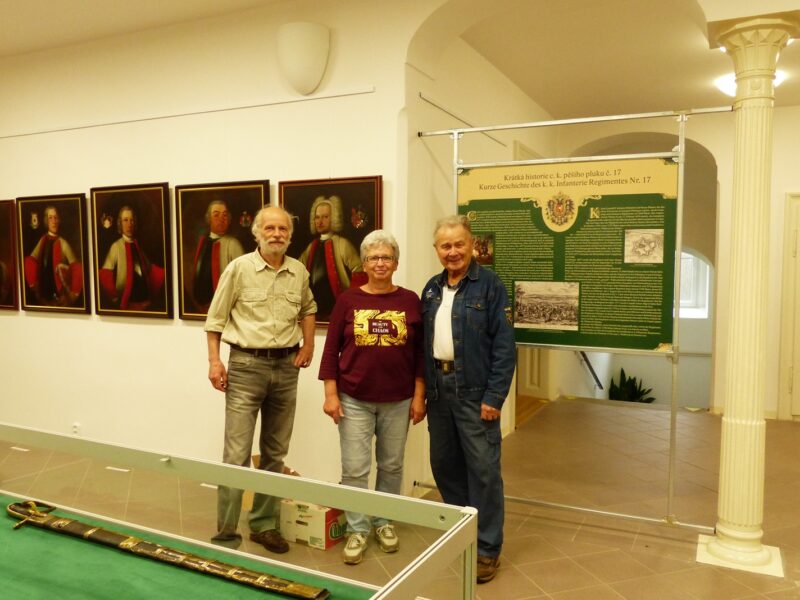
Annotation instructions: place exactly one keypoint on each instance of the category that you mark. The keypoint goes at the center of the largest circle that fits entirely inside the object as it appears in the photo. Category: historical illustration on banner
(585, 249)
(547, 305)
(644, 246)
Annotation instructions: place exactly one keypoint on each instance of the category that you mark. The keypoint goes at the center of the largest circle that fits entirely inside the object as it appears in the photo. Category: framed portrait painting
(9, 300)
(332, 216)
(52, 253)
(214, 222)
(132, 251)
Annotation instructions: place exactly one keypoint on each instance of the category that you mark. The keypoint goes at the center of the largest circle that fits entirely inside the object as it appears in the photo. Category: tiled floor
(606, 456)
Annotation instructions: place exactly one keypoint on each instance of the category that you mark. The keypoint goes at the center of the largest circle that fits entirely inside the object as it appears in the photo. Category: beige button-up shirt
(258, 306)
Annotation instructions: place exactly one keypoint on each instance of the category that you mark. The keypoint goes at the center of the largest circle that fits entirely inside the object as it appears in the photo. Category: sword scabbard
(39, 516)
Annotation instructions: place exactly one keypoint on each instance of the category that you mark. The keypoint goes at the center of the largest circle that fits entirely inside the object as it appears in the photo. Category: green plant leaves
(629, 390)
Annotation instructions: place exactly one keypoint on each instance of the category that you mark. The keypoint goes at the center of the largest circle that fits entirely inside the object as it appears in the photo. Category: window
(695, 287)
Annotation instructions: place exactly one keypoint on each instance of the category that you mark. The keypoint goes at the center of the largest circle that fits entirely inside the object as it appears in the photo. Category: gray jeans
(387, 423)
(268, 386)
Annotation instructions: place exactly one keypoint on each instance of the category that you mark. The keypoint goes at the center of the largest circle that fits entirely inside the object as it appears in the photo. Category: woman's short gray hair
(379, 237)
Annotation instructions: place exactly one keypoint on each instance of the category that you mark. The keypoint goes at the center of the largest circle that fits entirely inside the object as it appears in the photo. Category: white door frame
(788, 376)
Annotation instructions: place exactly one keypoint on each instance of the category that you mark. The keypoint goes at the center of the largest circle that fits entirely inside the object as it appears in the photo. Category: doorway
(789, 377)
(532, 392)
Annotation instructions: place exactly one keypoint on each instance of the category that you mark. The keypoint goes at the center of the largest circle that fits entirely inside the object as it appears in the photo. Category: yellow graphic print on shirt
(375, 328)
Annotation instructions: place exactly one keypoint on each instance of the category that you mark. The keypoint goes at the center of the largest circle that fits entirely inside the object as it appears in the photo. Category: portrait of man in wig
(330, 258)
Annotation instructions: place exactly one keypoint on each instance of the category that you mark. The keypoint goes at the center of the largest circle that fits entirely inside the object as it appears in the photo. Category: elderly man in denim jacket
(469, 365)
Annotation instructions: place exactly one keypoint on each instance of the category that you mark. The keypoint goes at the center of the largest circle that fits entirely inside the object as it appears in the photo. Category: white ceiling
(574, 58)
(578, 61)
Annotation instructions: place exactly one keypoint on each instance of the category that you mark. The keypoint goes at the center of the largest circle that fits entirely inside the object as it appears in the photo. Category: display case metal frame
(459, 525)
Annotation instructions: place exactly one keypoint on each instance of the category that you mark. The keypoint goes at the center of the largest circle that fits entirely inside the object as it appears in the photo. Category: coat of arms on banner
(559, 209)
(559, 212)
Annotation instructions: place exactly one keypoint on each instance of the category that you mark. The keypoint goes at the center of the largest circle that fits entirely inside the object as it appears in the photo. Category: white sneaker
(387, 538)
(354, 548)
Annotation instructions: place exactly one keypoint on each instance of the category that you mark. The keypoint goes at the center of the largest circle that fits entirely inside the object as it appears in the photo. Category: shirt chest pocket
(261, 304)
(254, 295)
(252, 304)
(287, 306)
(477, 316)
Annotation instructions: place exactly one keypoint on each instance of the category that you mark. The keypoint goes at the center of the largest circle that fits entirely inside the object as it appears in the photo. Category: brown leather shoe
(272, 540)
(487, 568)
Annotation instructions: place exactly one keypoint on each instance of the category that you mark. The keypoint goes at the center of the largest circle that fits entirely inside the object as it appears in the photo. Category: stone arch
(700, 182)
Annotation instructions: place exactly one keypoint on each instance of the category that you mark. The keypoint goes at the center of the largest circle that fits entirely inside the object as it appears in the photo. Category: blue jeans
(388, 422)
(268, 386)
(465, 459)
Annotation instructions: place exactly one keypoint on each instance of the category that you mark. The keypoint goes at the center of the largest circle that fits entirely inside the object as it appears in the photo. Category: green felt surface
(37, 563)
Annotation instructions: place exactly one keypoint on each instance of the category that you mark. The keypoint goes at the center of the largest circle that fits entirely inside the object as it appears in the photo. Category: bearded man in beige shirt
(262, 307)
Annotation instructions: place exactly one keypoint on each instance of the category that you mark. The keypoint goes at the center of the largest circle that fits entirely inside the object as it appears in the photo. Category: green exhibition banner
(585, 249)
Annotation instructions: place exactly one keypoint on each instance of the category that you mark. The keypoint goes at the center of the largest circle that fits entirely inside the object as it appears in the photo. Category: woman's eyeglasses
(373, 260)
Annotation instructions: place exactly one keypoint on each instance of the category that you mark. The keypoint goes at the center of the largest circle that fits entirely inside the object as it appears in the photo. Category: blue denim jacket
(483, 338)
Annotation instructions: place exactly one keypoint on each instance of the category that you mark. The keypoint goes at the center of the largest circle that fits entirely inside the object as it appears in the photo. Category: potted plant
(629, 390)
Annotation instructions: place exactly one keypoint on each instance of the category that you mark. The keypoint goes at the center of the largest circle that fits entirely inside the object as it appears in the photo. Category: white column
(754, 45)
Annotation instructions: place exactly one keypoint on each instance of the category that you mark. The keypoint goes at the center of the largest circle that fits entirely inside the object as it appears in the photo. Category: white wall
(110, 112)
(569, 376)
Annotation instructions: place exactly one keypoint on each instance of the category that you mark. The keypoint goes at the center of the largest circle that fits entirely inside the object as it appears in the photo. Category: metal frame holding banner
(589, 250)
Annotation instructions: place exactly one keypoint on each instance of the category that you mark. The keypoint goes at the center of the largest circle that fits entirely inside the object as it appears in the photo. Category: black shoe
(487, 568)
(272, 540)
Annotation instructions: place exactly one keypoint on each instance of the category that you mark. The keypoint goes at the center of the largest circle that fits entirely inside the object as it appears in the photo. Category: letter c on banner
(303, 54)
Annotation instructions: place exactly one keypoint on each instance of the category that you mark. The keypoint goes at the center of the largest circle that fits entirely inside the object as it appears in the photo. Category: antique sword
(39, 515)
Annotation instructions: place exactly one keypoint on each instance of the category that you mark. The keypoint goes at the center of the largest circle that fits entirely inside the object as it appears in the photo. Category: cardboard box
(247, 497)
(318, 526)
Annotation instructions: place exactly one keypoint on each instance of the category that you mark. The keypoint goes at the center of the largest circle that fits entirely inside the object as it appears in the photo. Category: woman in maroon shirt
(373, 371)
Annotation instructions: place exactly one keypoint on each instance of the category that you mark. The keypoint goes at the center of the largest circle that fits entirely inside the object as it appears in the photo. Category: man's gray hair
(256, 228)
(379, 237)
(452, 221)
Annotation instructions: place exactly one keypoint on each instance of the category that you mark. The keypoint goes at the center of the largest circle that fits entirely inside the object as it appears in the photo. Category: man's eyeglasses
(374, 260)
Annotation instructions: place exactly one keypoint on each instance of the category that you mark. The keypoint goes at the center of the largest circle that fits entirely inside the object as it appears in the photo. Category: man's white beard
(268, 250)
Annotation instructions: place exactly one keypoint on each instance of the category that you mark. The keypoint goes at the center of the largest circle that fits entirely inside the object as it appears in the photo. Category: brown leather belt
(268, 352)
(445, 366)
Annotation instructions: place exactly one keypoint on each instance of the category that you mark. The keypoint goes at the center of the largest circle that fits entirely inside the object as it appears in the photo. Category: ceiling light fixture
(727, 83)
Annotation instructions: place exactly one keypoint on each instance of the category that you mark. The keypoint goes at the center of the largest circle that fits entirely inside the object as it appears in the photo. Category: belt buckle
(446, 366)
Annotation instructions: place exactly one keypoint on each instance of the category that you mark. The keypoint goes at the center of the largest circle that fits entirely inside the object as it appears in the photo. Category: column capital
(719, 32)
(754, 45)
